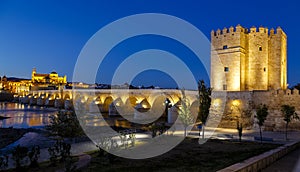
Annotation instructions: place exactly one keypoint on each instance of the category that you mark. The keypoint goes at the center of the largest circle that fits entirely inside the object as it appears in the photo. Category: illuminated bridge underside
(65, 98)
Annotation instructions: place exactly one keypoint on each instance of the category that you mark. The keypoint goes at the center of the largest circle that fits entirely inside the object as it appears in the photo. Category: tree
(65, 125)
(184, 113)
(239, 127)
(204, 103)
(34, 156)
(289, 113)
(243, 119)
(261, 116)
(3, 162)
(18, 155)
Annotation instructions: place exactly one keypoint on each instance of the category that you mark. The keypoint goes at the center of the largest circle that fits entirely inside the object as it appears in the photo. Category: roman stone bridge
(108, 100)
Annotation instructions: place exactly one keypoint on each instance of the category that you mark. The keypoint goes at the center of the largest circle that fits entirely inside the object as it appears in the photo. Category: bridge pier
(49, 102)
(173, 114)
(33, 100)
(68, 104)
(25, 100)
(41, 101)
(58, 103)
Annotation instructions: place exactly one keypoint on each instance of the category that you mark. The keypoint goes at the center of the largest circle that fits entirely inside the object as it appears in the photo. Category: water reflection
(24, 116)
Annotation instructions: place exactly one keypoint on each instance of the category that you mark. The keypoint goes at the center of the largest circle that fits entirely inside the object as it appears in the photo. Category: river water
(24, 116)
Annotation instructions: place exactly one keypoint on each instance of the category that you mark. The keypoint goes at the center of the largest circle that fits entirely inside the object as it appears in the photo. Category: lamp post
(167, 106)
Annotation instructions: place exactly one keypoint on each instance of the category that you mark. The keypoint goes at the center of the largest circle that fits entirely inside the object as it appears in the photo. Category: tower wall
(230, 46)
(278, 60)
(258, 59)
(243, 59)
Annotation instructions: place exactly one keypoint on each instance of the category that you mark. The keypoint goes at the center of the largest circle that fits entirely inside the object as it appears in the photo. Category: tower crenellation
(252, 59)
(253, 29)
(229, 30)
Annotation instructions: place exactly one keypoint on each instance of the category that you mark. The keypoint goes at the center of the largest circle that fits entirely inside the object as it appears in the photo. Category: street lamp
(167, 106)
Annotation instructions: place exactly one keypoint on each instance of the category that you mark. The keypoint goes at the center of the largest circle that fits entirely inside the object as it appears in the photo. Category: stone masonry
(250, 65)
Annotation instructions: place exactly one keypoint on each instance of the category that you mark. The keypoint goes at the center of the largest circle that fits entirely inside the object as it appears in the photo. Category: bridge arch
(107, 101)
(67, 97)
(131, 101)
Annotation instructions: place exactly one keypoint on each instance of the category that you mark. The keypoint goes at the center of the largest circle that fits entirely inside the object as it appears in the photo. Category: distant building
(37, 82)
(15, 85)
(51, 78)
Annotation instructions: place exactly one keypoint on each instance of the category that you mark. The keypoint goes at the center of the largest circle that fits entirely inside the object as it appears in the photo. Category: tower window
(265, 69)
(224, 87)
(226, 69)
(260, 48)
(225, 47)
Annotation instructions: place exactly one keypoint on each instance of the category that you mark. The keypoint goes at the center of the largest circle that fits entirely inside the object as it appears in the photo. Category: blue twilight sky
(49, 35)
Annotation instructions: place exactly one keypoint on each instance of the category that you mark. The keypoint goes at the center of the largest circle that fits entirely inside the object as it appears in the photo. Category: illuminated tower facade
(248, 59)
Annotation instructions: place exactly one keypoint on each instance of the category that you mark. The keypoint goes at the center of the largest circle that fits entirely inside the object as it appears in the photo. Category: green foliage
(65, 124)
(18, 155)
(289, 113)
(157, 129)
(3, 161)
(105, 144)
(204, 101)
(184, 113)
(261, 116)
(243, 118)
(34, 156)
(59, 152)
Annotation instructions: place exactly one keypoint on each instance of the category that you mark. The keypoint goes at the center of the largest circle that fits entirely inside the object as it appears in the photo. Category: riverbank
(3, 117)
(10, 135)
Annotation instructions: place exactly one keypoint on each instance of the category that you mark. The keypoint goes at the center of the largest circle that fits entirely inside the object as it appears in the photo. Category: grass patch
(187, 156)
(45, 167)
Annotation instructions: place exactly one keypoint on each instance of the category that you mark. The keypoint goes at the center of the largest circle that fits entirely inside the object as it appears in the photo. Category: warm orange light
(235, 102)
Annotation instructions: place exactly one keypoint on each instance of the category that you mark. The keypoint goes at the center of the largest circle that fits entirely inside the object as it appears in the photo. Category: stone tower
(33, 74)
(249, 59)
